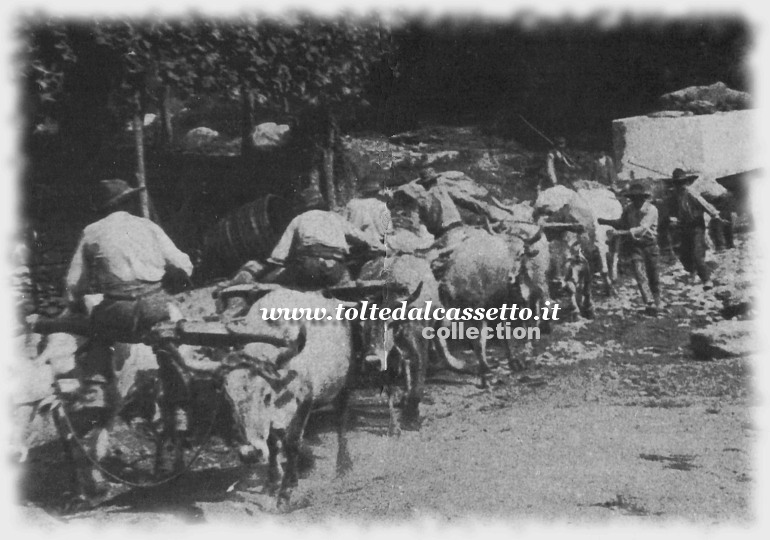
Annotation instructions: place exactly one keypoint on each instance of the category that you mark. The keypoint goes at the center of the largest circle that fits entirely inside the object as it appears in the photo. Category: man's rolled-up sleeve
(172, 254)
(648, 224)
(282, 250)
(76, 281)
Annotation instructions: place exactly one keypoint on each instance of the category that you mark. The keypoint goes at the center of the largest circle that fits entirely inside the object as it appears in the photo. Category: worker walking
(639, 221)
(690, 207)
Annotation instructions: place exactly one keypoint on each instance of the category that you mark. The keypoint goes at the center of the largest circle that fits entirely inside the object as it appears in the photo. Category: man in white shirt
(557, 163)
(368, 212)
(126, 259)
(316, 244)
(640, 219)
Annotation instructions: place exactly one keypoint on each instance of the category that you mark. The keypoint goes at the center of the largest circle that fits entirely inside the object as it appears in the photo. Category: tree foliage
(282, 64)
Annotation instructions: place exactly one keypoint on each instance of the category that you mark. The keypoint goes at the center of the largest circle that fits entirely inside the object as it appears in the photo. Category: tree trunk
(139, 141)
(328, 167)
(166, 128)
(247, 112)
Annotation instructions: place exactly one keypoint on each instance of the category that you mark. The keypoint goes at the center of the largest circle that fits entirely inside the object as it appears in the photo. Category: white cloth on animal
(370, 215)
(438, 204)
(553, 199)
(118, 249)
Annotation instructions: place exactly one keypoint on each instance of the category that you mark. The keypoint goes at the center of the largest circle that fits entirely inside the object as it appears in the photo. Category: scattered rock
(199, 137)
(706, 99)
(149, 119)
(269, 135)
(736, 298)
(669, 114)
(724, 339)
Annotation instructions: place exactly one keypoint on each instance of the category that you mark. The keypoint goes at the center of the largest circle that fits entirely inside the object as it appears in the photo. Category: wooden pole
(139, 141)
(328, 166)
(166, 126)
(247, 112)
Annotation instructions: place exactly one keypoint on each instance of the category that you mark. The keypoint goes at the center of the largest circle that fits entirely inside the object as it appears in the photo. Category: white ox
(584, 206)
(487, 270)
(291, 368)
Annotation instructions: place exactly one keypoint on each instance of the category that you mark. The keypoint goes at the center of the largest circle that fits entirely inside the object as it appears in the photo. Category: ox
(532, 280)
(483, 271)
(273, 393)
(289, 369)
(574, 254)
(400, 344)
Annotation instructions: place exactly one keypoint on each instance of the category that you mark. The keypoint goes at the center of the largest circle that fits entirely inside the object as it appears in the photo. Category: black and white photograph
(385, 266)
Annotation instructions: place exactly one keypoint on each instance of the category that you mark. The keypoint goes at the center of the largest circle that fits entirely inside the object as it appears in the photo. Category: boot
(90, 398)
(92, 394)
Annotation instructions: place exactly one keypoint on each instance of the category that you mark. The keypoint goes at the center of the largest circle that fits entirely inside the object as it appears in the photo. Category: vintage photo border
(758, 18)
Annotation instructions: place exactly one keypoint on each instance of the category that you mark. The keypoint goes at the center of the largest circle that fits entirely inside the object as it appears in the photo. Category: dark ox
(570, 273)
(488, 270)
(399, 345)
(576, 253)
(531, 283)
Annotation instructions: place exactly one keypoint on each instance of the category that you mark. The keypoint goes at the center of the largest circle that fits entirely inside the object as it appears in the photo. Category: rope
(156, 483)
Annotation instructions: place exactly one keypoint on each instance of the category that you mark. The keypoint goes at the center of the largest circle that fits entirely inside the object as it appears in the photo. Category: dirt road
(612, 420)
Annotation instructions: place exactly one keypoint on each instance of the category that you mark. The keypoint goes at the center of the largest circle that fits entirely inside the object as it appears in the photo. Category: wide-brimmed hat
(113, 191)
(681, 176)
(636, 191)
(310, 198)
(427, 175)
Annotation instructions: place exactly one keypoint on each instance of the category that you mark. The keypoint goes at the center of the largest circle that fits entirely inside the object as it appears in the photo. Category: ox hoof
(76, 503)
(285, 506)
(394, 430)
(344, 465)
(80, 503)
(283, 501)
(249, 454)
(411, 424)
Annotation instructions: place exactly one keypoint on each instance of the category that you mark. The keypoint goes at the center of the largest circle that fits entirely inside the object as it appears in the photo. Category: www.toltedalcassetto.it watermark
(453, 319)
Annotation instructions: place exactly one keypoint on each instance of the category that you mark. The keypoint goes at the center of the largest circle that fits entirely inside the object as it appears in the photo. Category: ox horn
(537, 236)
(493, 229)
(267, 370)
(489, 227)
(502, 206)
(415, 295)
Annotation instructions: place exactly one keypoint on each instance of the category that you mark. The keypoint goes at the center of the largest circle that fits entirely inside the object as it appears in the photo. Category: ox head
(379, 335)
(264, 399)
(568, 264)
(523, 242)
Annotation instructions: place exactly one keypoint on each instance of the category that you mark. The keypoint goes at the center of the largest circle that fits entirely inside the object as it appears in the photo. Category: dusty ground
(613, 420)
